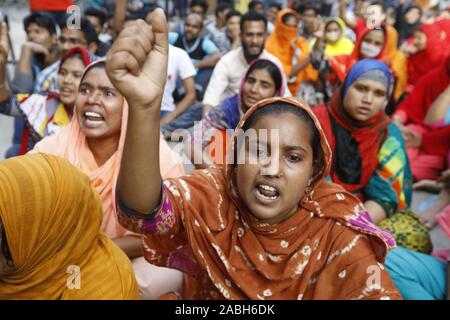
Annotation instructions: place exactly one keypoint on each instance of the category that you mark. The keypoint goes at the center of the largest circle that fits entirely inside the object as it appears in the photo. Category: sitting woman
(44, 113)
(263, 79)
(422, 117)
(50, 219)
(379, 44)
(94, 141)
(264, 226)
(369, 156)
(292, 50)
(427, 50)
(438, 118)
(336, 43)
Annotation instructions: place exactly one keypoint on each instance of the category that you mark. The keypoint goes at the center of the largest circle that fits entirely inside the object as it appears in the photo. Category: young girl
(44, 113)
(50, 219)
(418, 120)
(263, 79)
(369, 156)
(267, 228)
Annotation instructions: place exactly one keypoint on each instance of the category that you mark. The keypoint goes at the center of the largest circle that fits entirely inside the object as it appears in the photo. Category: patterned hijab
(238, 257)
(355, 144)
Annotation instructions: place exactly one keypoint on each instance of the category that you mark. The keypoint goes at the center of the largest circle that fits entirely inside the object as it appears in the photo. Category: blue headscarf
(362, 67)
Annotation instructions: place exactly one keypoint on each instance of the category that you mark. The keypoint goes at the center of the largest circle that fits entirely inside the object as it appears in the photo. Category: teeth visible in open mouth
(268, 188)
(94, 116)
(267, 192)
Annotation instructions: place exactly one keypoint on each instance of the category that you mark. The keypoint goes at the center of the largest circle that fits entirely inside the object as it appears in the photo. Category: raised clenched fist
(137, 62)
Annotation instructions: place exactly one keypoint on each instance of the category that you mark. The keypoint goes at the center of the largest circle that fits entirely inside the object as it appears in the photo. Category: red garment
(369, 136)
(437, 142)
(425, 92)
(342, 64)
(389, 54)
(437, 49)
(360, 25)
(50, 5)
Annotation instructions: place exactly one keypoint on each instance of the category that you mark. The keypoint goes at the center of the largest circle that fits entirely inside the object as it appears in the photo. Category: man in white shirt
(231, 67)
(180, 73)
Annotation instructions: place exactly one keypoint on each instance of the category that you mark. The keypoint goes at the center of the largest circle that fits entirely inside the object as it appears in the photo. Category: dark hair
(414, 7)
(88, 30)
(275, 5)
(378, 3)
(5, 248)
(232, 13)
(288, 16)
(252, 4)
(309, 6)
(271, 68)
(201, 3)
(222, 6)
(43, 20)
(253, 16)
(131, 17)
(94, 12)
(278, 108)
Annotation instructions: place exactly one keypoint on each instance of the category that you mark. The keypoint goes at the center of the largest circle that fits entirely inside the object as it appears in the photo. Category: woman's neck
(69, 110)
(104, 148)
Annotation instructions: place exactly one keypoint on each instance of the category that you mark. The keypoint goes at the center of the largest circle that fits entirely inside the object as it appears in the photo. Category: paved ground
(16, 14)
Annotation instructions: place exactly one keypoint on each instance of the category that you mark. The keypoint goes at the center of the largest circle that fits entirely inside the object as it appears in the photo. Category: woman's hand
(137, 62)
(413, 139)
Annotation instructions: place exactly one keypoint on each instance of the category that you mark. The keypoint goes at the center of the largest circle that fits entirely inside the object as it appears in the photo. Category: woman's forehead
(73, 62)
(372, 84)
(97, 75)
(289, 126)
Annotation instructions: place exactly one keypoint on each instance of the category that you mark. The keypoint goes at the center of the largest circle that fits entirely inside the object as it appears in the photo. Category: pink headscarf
(71, 143)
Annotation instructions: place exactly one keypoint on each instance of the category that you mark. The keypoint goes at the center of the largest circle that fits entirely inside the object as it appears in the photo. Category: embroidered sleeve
(163, 220)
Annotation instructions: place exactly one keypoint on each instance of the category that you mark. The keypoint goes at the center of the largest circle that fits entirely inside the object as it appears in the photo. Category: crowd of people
(311, 127)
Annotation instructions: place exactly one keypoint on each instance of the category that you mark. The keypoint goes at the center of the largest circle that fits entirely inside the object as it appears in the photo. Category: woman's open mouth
(93, 119)
(266, 193)
(66, 91)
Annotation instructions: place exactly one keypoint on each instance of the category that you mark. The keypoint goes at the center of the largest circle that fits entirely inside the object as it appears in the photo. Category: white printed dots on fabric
(284, 244)
(267, 293)
(319, 255)
(342, 274)
(340, 196)
(306, 251)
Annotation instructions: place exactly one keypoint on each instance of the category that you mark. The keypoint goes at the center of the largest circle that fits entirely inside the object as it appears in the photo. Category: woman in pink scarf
(94, 142)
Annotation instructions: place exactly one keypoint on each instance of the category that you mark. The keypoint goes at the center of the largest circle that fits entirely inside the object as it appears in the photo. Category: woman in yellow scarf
(336, 41)
(50, 219)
